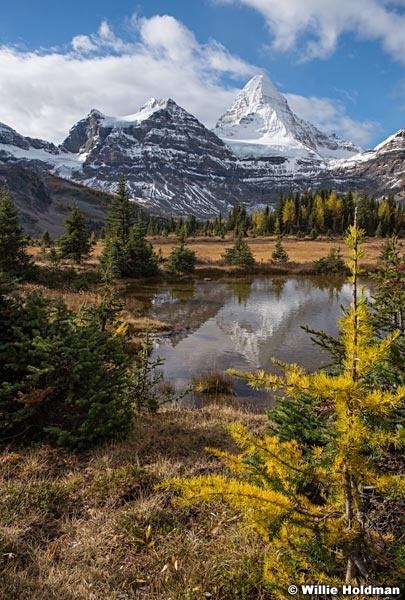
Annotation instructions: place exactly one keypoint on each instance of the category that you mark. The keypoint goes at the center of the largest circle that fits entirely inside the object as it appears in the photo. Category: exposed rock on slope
(170, 160)
(380, 171)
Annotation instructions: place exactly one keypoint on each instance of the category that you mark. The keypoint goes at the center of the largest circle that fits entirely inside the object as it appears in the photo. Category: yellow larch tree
(315, 506)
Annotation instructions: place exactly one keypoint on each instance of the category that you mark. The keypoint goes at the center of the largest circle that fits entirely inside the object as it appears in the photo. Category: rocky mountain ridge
(170, 160)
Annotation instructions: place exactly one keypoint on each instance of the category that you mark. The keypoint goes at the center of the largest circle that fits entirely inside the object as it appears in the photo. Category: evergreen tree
(143, 261)
(181, 259)
(115, 257)
(13, 256)
(390, 288)
(389, 314)
(127, 252)
(46, 241)
(279, 254)
(240, 255)
(75, 243)
(119, 219)
(62, 379)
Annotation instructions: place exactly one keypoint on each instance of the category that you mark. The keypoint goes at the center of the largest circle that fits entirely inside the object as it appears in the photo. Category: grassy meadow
(300, 251)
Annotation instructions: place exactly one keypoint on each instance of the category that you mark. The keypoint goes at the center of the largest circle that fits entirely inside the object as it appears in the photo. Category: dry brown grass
(209, 250)
(94, 527)
(73, 300)
(132, 312)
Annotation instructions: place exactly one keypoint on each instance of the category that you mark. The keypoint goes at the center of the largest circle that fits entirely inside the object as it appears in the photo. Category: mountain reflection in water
(243, 324)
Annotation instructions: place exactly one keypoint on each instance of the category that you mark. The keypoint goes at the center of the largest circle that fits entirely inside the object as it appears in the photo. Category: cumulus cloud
(83, 43)
(165, 35)
(44, 94)
(315, 26)
(330, 116)
(104, 39)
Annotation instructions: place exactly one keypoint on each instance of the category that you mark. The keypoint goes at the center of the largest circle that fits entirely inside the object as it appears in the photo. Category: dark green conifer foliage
(13, 257)
(279, 254)
(143, 259)
(62, 379)
(127, 253)
(46, 241)
(119, 220)
(331, 263)
(181, 259)
(389, 314)
(390, 284)
(75, 243)
(239, 255)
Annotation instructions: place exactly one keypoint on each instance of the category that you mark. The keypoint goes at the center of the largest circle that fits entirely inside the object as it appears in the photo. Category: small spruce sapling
(75, 243)
(240, 255)
(181, 260)
(279, 254)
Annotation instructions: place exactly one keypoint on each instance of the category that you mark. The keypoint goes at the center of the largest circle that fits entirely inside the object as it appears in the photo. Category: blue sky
(340, 63)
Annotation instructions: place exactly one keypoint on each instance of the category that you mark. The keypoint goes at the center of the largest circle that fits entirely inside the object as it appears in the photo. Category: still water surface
(242, 324)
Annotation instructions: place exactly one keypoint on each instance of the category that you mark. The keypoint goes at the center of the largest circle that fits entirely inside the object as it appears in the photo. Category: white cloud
(315, 26)
(82, 43)
(104, 39)
(165, 35)
(218, 58)
(330, 116)
(44, 94)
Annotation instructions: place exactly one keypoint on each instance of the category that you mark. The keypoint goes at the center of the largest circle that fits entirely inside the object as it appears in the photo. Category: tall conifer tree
(75, 243)
(13, 256)
(127, 252)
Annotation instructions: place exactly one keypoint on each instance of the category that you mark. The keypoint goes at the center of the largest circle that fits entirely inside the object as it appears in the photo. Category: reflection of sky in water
(244, 325)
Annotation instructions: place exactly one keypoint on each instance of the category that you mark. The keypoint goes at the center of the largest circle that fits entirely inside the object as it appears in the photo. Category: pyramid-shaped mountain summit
(260, 123)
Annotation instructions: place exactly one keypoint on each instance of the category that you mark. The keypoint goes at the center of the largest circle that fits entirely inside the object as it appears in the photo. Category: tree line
(304, 214)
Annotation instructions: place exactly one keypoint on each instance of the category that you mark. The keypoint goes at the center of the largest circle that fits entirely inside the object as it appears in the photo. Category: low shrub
(213, 383)
(181, 260)
(331, 263)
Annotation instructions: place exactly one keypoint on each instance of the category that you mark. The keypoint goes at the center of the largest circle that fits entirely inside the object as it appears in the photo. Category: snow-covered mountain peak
(261, 123)
(260, 91)
(96, 113)
(125, 121)
(146, 111)
(258, 111)
(393, 142)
